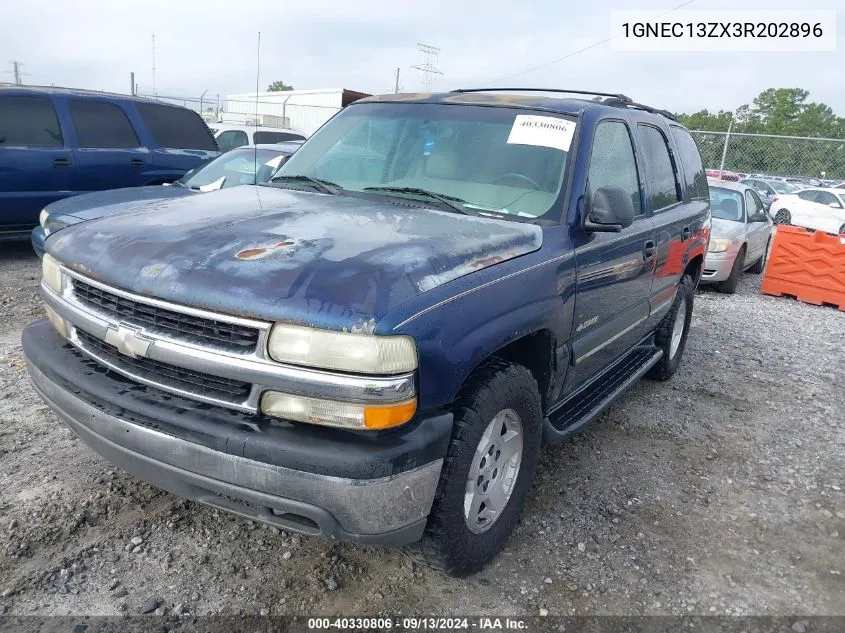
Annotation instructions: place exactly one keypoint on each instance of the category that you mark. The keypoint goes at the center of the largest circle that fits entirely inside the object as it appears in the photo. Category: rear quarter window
(695, 180)
(176, 128)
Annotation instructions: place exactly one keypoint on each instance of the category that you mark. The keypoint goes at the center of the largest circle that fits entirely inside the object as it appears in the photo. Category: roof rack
(613, 99)
(638, 106)
(621, 97)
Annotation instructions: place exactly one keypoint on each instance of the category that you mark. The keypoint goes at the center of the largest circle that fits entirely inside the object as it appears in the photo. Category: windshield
(235, 167)
(782, 187)
(483, 159)
(726, 204)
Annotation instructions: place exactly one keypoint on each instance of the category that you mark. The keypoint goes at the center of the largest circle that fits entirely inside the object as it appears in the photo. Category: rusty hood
(275, 254)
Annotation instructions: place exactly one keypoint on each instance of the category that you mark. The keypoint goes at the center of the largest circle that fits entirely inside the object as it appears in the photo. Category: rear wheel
(760, 265)
(729, 285)
(488, 469)
(671, 334)
(783, 216)
(842, 230)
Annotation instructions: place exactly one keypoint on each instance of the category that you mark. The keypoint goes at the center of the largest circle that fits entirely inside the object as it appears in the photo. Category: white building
(301, 110)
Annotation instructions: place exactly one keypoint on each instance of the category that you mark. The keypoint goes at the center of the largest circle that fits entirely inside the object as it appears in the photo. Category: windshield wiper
(324, 186)
(451, 202)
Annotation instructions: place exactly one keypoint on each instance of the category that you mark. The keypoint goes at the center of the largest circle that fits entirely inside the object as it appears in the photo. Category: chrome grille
(185, 380)
(219, 334)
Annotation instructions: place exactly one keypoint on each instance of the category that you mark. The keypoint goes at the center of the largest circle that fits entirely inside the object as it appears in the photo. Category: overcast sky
(211, 45)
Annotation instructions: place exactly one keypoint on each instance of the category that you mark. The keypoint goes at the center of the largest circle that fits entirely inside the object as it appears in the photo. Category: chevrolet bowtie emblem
(127, 340)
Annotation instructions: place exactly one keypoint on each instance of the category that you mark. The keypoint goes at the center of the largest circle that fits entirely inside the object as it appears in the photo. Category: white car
(813, 208)
(232, 135)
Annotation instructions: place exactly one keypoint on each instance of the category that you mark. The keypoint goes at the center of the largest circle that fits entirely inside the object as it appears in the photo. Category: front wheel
(671, 334)
(488, 469)
(728, 286)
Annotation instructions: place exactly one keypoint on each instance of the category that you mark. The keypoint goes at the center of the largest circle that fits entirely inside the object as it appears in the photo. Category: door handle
(686, 234)
(648, 249)
(136, 162)
(61, 162)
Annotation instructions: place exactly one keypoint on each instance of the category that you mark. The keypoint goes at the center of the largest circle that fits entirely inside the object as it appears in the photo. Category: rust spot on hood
(261, 251)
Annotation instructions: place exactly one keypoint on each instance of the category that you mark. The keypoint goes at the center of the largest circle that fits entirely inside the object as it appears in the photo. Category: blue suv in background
(58, 142)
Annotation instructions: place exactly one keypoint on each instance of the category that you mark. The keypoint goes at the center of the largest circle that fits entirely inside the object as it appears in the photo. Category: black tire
(669, 363)
(760, 265)
(448, 544)
(842, 230)
(783, 216)
(728, 286)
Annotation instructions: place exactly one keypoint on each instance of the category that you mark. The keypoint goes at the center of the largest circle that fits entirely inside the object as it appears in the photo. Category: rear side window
(825, 197)
(695, 180)
(275, 137)
(807, 195)
(230, 139)
(176, 128)
(663, 185)
(612, 162)
(100, 124)
(29, 120)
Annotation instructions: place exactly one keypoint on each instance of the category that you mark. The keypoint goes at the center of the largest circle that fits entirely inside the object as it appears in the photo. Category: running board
(585, 405)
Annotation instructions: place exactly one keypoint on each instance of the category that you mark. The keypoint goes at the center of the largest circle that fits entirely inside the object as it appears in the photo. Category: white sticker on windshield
(543, 131)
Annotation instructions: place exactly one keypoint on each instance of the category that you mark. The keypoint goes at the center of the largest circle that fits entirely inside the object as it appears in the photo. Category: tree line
(781, 112)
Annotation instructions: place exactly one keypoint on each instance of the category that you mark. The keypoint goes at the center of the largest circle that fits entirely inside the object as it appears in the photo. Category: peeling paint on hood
(299, 257)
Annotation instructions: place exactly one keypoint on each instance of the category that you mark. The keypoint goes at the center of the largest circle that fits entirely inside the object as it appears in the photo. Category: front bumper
(717, 266)
(355, 486)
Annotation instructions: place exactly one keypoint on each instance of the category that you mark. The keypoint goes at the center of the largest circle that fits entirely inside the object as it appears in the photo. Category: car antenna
(257, 84)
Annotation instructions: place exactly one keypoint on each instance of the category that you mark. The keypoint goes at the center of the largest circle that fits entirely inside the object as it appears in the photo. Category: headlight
(342, 351)
(340, 414)
(718, 246)
(42, 217)
(51, 273)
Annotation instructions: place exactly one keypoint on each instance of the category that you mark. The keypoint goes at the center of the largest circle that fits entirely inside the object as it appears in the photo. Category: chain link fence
(772, 155)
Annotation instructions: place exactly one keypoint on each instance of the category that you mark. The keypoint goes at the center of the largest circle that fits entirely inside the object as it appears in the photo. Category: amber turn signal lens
(386, 417)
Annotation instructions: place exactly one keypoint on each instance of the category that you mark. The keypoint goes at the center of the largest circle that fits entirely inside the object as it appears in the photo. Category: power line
(428, 68)
(579, 51)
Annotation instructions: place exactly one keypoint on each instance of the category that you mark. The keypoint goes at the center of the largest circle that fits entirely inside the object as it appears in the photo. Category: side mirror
(758, 217)
(611, 210)
(834, 205)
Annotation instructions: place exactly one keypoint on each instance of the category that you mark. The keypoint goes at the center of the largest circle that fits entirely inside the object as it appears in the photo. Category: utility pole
(16, 71)
(132, 83)
(725, 148)
(154, 65)
(428, 68)
(396, 87)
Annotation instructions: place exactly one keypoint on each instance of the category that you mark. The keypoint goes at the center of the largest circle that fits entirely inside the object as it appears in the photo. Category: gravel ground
(719, 492)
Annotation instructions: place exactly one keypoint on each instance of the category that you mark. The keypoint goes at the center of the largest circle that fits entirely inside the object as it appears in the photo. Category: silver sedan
(740, 236)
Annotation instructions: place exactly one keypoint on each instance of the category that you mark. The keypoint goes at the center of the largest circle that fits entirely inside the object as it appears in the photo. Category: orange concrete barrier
(807, 265)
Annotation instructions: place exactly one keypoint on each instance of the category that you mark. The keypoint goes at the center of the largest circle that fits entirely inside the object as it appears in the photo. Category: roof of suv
(79, 92)
(508, 98)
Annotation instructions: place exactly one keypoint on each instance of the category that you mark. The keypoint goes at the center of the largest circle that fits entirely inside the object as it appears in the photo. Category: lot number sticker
(542, 131)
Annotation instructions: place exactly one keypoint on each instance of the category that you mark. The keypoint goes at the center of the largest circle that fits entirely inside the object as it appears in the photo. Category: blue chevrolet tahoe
(374, 346)
(58, 142)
